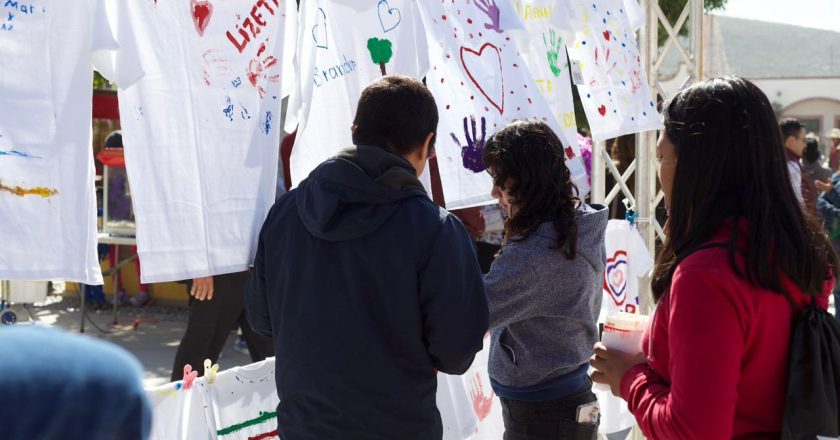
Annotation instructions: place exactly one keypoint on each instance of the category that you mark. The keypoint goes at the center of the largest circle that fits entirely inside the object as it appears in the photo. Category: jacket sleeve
(506, 286)
(704, 361)
(827, 204)
(256, 302)
(452, 301)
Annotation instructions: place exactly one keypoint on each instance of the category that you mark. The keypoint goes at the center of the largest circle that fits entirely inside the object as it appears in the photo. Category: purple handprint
(489, 8)
(472, 153)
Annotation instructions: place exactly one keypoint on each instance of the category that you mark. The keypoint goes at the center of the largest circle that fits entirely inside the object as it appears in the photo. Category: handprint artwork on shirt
(554, 47)
(472, 154)
(489, 8)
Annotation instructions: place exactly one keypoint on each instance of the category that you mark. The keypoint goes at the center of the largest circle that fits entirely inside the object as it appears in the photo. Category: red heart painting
(499, 102)
(202, 10)
(602, 110)
(607, 35)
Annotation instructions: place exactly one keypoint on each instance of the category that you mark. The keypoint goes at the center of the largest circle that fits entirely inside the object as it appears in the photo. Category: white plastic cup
(623, 332)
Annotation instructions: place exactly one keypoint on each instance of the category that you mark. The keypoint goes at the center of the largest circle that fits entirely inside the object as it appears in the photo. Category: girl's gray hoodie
(543, 307)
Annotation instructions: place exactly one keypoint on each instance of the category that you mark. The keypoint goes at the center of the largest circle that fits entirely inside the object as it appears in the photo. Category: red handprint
(261, 71)
(482, 404)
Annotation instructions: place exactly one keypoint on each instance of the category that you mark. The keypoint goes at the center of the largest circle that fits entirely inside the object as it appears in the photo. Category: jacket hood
(353, 194)
(592, 226)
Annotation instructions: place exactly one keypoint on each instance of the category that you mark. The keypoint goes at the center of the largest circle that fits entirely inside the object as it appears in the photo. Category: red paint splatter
(607, 35)
(570, 153)
(443, 17)
(469, 21)
(261, 49)
(202, 10)
(602, 110)
(264, 436)
(487, 109)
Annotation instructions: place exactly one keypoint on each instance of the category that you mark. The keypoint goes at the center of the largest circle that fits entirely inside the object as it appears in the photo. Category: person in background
(544, 288)
(365, 284)
(793, 139)
(814, 173)
(490, 242)
(739, 249)
(217, 305)
(834, 153)
(59, 385)
(828, 206)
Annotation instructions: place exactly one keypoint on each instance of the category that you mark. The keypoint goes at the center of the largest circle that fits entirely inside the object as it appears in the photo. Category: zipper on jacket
(509, 349)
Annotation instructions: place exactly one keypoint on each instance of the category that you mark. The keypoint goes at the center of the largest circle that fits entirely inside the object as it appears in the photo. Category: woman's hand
(611, 365)
(202, 288)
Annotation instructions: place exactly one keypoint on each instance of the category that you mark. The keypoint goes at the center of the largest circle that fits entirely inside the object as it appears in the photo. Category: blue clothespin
(630, 212)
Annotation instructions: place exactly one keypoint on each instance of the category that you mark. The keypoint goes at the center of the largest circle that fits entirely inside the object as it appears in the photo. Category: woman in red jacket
(715, 356)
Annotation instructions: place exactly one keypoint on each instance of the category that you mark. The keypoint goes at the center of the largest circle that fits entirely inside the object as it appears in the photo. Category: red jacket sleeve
(705, 345)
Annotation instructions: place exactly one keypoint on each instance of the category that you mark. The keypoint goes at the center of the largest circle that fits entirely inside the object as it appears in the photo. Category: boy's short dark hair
(790, 127)
(397, 113)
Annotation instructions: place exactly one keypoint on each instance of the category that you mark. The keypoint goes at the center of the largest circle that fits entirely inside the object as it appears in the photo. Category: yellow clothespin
(210, 370)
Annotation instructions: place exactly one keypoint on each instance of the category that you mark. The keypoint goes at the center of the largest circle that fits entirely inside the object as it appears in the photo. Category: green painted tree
(380, 52)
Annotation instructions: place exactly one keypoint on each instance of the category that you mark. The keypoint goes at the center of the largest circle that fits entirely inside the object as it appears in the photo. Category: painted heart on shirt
(319, 31)
(202, 10)
(488, 59)
(615, 277)
(389, 18)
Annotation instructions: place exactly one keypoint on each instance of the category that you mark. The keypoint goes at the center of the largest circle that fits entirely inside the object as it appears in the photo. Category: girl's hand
(611, 365)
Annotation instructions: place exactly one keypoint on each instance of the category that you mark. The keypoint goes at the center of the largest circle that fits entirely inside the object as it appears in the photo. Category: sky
(822, 14)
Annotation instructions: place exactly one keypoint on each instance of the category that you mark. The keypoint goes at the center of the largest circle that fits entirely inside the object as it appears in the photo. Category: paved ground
(154, 340)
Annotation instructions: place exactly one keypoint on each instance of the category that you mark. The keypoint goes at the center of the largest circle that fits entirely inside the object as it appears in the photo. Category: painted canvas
(343, 46)
(543, 47)
(615, 94)
(47, 199)
(481, 83)
(201, 130)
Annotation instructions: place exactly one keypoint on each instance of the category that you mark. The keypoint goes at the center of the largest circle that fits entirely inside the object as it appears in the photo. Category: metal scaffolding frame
(643, 169)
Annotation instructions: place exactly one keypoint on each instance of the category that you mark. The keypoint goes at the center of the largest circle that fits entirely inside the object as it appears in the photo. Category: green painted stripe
(264, 417)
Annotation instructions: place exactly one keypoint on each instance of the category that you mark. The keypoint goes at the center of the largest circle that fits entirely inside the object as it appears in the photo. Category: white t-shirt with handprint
(481, 84)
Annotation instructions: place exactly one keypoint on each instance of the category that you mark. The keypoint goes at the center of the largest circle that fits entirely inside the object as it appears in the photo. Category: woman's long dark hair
(529, 158)
(731, 164)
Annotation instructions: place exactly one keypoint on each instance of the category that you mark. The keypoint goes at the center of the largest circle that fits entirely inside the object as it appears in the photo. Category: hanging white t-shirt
(480, 83)
(47, 198)
(485, 404)
(242, 402)
(201, 130)
(615, 93)
(456, 414)
(543, 47)
(343, 46)
(177, 414)
(627, 260)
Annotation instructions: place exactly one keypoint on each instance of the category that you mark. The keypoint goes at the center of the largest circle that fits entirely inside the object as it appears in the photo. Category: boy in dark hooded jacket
(366, 286)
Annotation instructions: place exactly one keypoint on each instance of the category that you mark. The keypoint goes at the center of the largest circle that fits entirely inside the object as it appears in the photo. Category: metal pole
(116, 280)
(599, 178)
(82, 293)
(645, 142)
